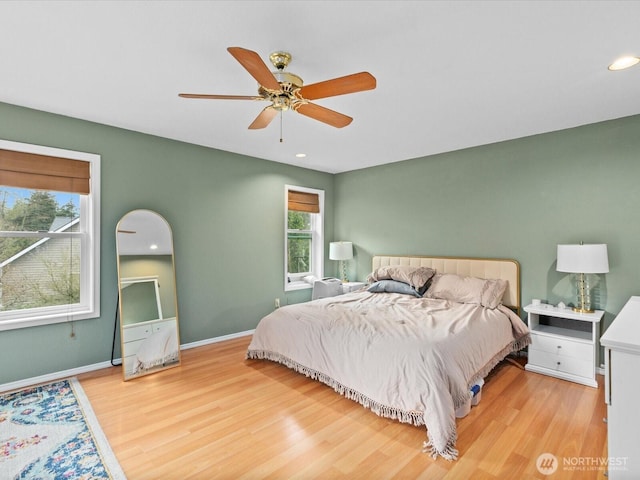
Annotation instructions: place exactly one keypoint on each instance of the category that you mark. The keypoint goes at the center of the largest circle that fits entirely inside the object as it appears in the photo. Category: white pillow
(462, 289)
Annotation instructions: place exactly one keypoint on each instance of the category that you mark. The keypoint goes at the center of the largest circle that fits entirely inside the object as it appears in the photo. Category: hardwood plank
(221, 416)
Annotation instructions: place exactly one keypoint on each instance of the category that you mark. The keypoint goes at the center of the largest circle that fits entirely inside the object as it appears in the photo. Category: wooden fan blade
(252, 62)
(264, 119)
(325, 115)
(356, 82)
(219, 97)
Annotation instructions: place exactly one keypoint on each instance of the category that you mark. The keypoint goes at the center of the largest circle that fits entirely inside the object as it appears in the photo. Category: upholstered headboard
(506, 269)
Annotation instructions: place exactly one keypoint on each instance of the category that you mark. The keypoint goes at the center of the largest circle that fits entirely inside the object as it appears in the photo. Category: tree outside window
(299, 242)
(38, 270)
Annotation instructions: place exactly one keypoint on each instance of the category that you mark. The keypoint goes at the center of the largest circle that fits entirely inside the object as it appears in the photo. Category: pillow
(393, 286)
(461, 289)
(417, 277)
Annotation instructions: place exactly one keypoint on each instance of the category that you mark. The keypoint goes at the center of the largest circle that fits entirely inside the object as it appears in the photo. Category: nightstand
(563, 343)
(352, 286)
(331, 287)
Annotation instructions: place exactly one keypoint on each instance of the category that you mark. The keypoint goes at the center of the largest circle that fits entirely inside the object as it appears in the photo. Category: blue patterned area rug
(50, 432)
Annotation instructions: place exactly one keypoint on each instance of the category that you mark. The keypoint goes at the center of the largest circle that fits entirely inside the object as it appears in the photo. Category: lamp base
(343, 269)
(584, 295)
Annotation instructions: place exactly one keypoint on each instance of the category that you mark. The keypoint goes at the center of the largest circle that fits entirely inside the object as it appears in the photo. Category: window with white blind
(304, 221)
(49, 235)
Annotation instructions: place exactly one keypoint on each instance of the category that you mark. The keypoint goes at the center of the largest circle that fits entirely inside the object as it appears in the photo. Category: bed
(410, 346)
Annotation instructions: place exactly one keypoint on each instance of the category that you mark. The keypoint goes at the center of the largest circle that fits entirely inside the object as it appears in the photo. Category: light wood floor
(219, 416)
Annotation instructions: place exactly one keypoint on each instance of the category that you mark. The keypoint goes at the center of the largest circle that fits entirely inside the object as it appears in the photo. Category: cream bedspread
(159, 349)
(406, 358)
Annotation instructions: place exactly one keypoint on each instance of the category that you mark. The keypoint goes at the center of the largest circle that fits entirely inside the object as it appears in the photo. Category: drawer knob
(558, 364)
(559, 346)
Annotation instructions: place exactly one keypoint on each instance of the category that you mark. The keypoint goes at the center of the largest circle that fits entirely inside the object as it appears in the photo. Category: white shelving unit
(564, 343)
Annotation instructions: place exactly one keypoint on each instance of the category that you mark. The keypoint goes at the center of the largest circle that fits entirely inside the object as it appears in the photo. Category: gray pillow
(417, 277)
(393, 286)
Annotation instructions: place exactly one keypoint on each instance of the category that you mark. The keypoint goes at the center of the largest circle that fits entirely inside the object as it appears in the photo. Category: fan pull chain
(280, 126)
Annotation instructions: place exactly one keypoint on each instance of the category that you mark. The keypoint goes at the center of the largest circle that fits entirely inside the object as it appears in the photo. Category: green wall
(226, 212)
(516, 199)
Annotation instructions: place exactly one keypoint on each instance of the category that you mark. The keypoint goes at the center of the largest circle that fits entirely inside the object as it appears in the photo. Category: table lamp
(583, 259)
(341, 251)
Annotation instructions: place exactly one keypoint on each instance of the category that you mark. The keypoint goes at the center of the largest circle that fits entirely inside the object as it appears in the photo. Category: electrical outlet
(277, 303)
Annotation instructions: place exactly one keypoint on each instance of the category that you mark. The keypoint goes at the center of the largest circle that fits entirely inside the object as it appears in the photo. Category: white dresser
(622, 391)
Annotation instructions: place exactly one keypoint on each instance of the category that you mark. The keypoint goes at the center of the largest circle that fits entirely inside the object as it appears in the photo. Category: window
(304, 220)
(49, 235)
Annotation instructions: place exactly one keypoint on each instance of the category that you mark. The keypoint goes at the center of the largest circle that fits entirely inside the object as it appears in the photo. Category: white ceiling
(450, 75)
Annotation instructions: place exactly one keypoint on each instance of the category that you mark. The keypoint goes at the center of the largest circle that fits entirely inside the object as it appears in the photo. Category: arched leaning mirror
(147, 304)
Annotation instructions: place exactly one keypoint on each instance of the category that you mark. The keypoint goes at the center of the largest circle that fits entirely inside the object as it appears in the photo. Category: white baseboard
(49, 377)
(208, 341)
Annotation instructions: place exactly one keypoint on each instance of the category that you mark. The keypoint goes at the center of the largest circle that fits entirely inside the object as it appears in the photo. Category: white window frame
(317, 240)
(89, 306)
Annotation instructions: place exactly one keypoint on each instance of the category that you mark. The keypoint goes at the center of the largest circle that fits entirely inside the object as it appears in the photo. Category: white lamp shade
(340, 250)
(583, 258)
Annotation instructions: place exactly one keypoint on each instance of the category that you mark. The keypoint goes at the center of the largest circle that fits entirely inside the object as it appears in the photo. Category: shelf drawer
(561, 346)
(156, 327)
(582, 367)
(131, 348)
(129, 363)
(136, 332)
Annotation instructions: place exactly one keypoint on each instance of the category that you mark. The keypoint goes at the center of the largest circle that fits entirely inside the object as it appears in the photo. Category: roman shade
(44, 172)
(304, 202)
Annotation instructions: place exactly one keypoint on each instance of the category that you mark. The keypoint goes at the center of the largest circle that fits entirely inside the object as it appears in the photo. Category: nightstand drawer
(560, 346)
(572, 365)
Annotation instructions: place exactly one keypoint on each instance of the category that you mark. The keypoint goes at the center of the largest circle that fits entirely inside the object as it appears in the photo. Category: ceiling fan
(285, 90)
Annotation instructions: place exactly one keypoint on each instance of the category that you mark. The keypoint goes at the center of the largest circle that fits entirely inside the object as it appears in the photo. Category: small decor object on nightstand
(341, 251)
(582, 260)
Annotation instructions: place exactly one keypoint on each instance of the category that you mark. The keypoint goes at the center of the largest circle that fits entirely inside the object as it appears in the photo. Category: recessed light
(153, 246)
(301, 155)
(624, 62)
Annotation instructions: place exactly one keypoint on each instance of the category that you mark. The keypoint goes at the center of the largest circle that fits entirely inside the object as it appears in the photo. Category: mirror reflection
(147, 294)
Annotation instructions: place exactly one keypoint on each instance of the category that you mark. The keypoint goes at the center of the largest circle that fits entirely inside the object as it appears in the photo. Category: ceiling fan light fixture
(288, 77)
(623, 63)
(280, 60)
(282, 103)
